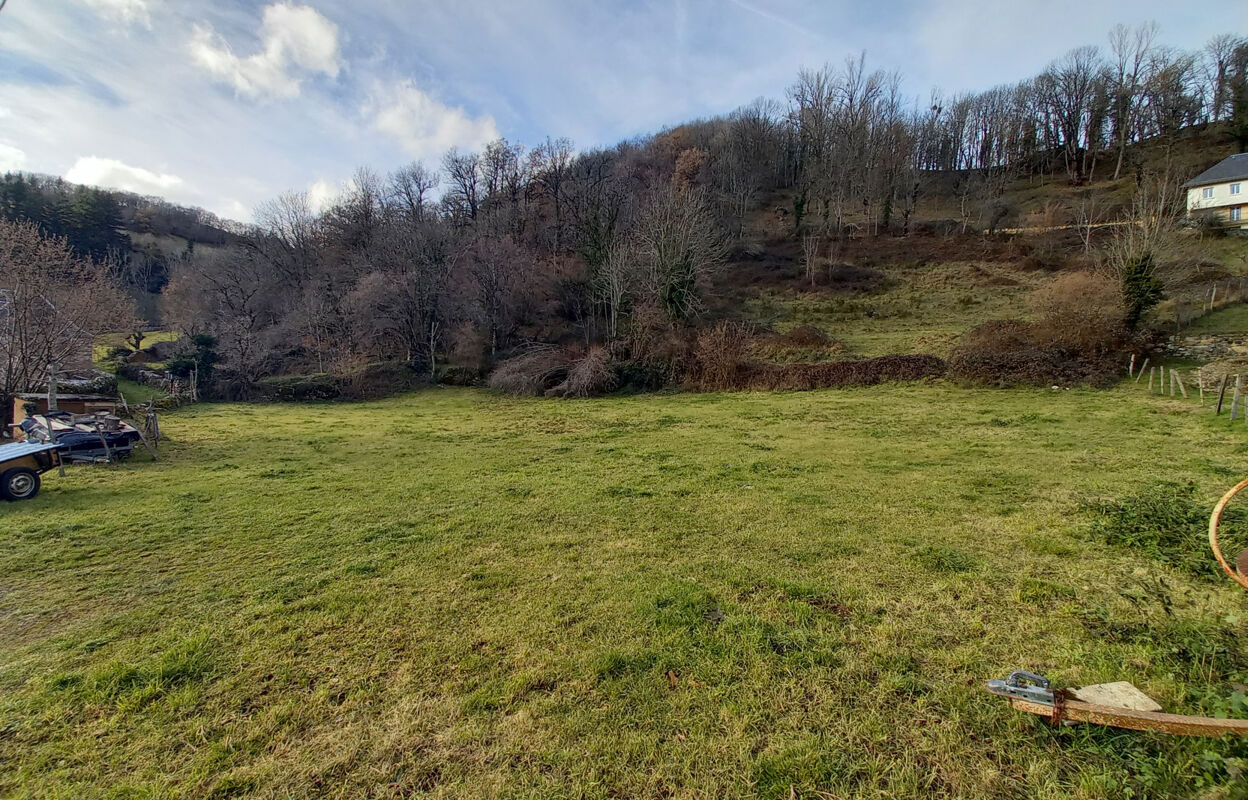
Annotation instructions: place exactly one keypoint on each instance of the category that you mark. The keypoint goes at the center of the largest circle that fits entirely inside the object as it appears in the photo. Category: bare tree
(1067, 89)
(464, 172)
(1143, 255)
(598, 205)
(229, 295)
(680, 248)
(1219, 55)
(52, 306)
(504, 178)
(1172, 96)
(552, 168)
(1130, 48)
(358, 216)
(811, 244)
(1089, 214)
(415, 268)
(613, 282)
(495, 268)
(408, 187)
(288, 238)
(748, 157)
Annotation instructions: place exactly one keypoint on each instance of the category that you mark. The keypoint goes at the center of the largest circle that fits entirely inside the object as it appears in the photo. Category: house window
(1234, 188)
(1207, 192)
(1235, 212)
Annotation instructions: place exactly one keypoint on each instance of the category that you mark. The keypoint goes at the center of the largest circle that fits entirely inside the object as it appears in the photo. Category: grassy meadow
(455, 594)
(923, 310)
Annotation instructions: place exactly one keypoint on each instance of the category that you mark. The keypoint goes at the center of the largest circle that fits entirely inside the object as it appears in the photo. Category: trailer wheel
(19, 483)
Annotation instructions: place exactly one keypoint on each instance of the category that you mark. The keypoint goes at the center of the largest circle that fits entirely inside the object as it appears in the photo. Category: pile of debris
(83, 438)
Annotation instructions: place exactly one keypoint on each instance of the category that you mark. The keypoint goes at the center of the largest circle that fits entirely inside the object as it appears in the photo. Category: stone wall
(1208, 346)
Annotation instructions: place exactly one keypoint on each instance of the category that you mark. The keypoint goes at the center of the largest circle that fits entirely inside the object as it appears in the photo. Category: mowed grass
(455, 594)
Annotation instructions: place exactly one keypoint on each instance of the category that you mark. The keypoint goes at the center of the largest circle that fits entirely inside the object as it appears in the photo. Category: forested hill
(142, 237)
(783, 211)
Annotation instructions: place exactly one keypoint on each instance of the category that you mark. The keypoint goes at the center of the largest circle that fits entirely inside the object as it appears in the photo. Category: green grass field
(454, 594)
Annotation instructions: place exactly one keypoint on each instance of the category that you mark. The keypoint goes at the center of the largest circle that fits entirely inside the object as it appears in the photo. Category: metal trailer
(21, 464)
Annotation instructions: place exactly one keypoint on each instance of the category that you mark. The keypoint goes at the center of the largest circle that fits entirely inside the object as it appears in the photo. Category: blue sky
(227, 103)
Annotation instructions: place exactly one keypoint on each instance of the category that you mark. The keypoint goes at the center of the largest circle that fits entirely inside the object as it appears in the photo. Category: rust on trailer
(1133, 710)
(1178, 724)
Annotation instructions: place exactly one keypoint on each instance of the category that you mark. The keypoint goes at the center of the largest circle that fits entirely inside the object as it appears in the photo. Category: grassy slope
(933, 299)
(924, 308)
(1232, 319)
(138, 392)
(110, 341)
(134, 392)
(698, 596)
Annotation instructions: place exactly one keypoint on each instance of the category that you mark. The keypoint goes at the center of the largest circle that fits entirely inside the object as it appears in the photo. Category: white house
(1222, 190)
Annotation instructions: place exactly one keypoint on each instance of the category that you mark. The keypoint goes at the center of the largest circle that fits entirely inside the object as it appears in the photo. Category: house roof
(79, 398)
(1230, 168)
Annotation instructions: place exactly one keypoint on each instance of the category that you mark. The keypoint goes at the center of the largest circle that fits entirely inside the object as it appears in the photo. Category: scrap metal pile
(83, 438)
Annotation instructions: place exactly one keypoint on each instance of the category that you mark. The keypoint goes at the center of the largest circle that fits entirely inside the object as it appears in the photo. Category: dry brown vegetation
(728, 358)
(800, 343)
(556, 372)
(1081, 312)
(1075, 338)
(532, 372)
(588, 376)
(839, 374)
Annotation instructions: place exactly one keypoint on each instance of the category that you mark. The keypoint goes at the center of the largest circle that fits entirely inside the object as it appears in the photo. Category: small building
(71, 403)
(1221, 190)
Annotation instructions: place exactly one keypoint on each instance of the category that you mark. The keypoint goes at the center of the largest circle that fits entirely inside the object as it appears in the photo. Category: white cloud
(135, 12)
(292, 38)
(113, 174)
(236, 210)
(424, 127)
(11, 158)
(321, 195)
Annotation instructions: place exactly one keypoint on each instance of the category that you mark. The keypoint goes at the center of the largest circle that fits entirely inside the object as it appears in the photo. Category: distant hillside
(141, 236)
(894, 226)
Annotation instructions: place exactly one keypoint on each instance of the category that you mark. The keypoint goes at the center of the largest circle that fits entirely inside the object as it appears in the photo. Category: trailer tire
(19, 483)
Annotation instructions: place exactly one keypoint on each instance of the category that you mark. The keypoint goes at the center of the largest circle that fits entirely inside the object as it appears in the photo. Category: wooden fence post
(1200, 384)
(1179, 379)
(1221, 397)
(1131, 367)
(1151, 374)
(1239, 387)
(1143, 367)
(108, 451)
(60, 461)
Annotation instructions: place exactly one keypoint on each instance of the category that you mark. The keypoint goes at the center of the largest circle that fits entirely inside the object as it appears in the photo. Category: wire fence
(1208, 389)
